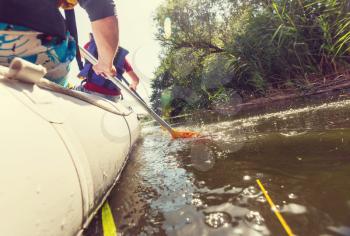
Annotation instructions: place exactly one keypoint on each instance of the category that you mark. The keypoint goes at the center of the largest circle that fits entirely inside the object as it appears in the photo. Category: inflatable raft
(62, 151)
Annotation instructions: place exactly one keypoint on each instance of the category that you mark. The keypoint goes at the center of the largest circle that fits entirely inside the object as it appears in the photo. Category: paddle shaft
(93, 61)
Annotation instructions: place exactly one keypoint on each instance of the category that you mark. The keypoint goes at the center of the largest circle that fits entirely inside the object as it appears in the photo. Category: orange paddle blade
(184, 134)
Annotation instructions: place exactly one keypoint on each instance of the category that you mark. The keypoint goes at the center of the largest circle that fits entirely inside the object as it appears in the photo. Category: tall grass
(263, 45)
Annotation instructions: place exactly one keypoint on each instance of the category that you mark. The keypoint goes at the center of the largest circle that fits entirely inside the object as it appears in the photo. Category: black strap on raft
(72, 28)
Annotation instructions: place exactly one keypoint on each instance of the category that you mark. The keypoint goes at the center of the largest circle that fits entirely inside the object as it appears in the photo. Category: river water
(208, 186)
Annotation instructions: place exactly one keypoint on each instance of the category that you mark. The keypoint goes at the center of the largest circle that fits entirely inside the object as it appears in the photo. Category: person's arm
(130, 72)
(106, 34)
(134, 79)
(104, 22)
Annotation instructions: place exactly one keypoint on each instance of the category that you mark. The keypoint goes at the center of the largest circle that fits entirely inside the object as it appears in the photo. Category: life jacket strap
(71, 25)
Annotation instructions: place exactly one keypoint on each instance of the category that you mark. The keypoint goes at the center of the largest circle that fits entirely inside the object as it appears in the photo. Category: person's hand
(133, 85)
(104, 69)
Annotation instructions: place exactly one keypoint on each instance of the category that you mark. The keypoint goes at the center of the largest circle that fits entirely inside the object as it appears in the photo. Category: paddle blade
(184, 134)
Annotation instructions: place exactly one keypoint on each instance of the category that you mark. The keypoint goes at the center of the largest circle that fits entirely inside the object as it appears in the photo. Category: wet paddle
(174, 133)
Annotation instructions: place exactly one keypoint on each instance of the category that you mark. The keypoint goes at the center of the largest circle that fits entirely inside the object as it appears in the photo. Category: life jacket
(98, 83)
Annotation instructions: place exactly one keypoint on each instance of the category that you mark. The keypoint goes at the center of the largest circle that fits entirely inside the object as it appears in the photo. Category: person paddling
(36, 31)
(96, 84)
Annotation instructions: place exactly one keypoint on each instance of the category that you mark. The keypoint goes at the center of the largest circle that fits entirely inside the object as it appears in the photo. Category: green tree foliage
(219, 47)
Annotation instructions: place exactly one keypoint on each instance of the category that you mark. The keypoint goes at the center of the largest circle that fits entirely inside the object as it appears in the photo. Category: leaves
(253, 44)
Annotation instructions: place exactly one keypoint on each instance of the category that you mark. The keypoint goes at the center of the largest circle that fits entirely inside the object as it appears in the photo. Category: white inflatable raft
(60, 156)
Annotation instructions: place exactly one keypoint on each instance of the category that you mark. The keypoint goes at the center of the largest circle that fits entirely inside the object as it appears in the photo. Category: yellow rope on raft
(108, 225)
(275, 210)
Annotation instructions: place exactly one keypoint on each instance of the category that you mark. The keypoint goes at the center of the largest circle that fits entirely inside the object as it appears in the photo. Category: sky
(137, 30)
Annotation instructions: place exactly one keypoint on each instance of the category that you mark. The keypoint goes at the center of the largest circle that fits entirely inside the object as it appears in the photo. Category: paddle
(174, 133)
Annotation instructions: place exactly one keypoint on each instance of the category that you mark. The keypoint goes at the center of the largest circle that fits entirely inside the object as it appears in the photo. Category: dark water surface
(208, 186)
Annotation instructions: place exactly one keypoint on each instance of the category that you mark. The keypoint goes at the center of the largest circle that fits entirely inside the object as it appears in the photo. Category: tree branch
(198, 45)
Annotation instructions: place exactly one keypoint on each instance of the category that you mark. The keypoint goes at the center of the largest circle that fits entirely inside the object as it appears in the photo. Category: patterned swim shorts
(53, 53)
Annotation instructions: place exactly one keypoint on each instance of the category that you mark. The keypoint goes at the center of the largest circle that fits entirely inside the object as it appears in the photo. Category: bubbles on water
(259, 175)
(217, 219)
(292, 133)
(276, 208)
(261, 199)
(292, 196)
(340, 230)
(294, 208)
(255, 220)
(254, 217)
(197, 202)
(238, 231)
(226, 225)
(202, 157)
(251, 192)
(247, 178)
(201, 184)
(231, 141)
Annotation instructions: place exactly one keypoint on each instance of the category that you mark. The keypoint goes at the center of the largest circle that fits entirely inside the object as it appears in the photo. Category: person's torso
(39, 15)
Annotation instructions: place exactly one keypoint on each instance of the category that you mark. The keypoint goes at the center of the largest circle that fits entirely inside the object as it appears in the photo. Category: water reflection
(207, 186)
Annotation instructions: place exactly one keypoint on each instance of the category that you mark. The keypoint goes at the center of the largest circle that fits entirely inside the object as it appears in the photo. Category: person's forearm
(106, 34)
(134, 77)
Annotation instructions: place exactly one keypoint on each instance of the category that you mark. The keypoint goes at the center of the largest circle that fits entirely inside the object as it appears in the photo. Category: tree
(219, 47)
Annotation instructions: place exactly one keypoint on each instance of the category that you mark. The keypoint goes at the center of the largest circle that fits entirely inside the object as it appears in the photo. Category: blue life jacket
(91, 77)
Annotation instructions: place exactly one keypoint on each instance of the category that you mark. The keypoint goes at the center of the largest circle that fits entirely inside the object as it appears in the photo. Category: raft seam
(108, 192)
(79, 172)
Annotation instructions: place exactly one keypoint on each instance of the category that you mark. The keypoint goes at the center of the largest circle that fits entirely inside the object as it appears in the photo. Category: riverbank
(320, 90)
(330, 88)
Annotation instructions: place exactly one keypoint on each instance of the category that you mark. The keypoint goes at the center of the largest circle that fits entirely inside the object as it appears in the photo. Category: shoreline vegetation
(336, 90)
(229, 54)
